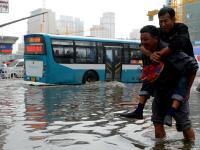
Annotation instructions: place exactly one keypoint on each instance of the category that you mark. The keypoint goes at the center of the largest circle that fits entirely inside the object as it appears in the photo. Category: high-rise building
(78, 26)
(106, 29)
(43, 23)
(192, 19)
(70, 26)
(108, 24)
(96, 31)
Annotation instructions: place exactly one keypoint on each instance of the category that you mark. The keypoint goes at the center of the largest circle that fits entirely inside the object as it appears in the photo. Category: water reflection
(72, 103)
(35, 113)
(83, 116)
(74, 115)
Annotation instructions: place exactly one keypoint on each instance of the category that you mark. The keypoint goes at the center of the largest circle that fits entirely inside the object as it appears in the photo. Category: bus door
(113, 63)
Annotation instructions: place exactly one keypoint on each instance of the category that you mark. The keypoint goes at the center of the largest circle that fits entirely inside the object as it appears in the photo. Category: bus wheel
(90, 76)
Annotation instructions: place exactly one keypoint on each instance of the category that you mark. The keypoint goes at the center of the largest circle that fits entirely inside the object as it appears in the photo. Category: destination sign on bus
(34, 40)
(34, 49)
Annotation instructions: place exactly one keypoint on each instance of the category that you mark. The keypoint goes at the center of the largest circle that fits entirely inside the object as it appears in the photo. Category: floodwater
(74, 117)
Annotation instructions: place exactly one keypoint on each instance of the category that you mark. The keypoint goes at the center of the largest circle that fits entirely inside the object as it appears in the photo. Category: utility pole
(8, 23)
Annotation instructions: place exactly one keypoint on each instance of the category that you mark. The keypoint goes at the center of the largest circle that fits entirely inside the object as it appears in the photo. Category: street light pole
(8, 23)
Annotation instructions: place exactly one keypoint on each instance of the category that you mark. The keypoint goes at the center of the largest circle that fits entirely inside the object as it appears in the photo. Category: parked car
(9, 62)
(14, 70)
(2, 65)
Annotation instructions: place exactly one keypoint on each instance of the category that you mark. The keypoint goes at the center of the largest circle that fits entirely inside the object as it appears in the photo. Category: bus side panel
(59, 74)
(131, 73)
(70, 73)
(74, 73)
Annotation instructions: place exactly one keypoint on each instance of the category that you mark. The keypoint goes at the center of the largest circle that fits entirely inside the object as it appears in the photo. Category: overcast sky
(129, 14)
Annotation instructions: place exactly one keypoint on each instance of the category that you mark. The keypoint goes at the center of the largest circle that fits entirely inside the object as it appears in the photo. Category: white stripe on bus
(85, 66)
(128, 67)
(99, 66)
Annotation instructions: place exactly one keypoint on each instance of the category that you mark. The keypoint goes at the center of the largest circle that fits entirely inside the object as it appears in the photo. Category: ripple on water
(81, 117)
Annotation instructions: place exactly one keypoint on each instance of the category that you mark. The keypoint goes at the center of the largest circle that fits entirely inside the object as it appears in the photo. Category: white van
(14, 70)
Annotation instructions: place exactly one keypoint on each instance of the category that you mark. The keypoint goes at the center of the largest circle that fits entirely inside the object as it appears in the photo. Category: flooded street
(74, 117)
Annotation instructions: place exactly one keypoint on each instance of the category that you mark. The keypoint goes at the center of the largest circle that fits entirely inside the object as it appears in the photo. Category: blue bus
(58, 59)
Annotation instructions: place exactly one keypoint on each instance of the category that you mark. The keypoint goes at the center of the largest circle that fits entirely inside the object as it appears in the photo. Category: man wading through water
(177, 54)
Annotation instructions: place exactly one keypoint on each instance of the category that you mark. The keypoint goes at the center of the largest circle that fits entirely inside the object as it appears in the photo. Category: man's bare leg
(189, 134)
(159, 131)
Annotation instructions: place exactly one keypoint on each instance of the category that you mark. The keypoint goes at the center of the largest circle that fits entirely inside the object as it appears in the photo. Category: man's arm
(165, 51)
(145, 51)
(155, 57)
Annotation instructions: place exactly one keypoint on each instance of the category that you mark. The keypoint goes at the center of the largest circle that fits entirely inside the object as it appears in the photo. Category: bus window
(62, 42)
(136, 54)
(81, 54)
(84, 43)
(100, 54)
(85, 52)
(126, 55)
(126, 59)
(85, 55)
(91, 55)
(58, 51)
(69, 54)
(63, 54)
(63, 51)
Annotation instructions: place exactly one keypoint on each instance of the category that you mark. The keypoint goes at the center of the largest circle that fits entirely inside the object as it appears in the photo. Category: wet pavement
(74, 117)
